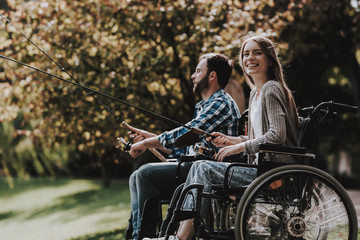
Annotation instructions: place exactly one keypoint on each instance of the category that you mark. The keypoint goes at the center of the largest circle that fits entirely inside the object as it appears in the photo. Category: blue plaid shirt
(217, 114)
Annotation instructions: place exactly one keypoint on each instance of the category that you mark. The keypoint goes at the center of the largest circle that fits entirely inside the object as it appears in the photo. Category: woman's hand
(228, 151)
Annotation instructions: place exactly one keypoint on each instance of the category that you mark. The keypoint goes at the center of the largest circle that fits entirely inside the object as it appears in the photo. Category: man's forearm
(154, 142)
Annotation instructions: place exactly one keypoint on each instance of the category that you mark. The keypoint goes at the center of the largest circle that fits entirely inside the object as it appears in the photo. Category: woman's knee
(204, 166)
(199, 170)
(211, 172)
(200, 163)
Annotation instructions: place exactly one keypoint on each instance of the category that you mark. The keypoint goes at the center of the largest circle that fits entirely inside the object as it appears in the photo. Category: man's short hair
(221, 64)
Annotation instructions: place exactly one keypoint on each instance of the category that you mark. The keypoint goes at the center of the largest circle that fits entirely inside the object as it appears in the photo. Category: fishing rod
(91, 92)
(58, 65)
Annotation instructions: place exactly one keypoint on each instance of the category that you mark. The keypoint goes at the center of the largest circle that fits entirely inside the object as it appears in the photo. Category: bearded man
(216, 112)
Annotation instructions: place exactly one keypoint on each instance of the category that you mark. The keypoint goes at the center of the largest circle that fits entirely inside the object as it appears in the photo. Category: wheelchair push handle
(345, 107)
(334, 106)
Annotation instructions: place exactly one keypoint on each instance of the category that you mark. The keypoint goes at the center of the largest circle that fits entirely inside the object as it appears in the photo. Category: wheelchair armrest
(281, 149)
(227, 175)
(191, 158)
(240, 157)
(172, 159)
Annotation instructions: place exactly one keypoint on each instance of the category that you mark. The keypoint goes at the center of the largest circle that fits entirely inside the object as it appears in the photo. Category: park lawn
(64, 209)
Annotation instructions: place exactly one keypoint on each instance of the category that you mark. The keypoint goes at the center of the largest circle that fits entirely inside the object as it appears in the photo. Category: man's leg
(156, 179)
(134, 204)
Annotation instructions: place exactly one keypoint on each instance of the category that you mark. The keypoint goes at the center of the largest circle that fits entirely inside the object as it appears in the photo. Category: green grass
(63, 209)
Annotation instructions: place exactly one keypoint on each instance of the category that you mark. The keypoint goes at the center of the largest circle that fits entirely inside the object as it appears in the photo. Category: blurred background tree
(144, 52)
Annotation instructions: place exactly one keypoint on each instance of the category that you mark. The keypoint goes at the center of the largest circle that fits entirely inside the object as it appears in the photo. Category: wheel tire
(227, 217)
(296, 202)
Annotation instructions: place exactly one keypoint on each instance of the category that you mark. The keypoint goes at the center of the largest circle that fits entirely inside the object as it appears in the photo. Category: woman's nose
(251, 56)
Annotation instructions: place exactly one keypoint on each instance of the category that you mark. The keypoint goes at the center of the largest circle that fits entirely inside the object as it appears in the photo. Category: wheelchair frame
(151, 221)
(302, 208)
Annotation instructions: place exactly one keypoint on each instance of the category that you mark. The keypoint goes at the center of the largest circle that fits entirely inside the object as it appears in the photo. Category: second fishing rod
(91, 92)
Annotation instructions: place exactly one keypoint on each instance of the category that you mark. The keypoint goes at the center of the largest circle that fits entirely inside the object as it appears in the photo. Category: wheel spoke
(295, 206)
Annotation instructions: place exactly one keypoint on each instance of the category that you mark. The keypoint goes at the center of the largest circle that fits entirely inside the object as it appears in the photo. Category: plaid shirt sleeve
(211, 115)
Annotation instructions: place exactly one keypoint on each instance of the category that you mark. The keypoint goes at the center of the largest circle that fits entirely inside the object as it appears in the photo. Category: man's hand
(137, 149)
(138, 134)
(220, 139)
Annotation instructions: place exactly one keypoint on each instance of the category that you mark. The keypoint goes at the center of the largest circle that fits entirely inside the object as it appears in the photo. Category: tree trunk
(4, 5)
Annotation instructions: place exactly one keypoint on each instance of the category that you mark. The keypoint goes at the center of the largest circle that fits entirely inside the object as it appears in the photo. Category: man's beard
(202, 85)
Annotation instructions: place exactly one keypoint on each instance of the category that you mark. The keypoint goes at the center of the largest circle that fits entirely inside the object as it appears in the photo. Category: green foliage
(144, 52)
(323, 39)
(23, 154)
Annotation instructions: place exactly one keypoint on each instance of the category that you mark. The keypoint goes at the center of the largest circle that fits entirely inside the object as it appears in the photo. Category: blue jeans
(209, 173)
(153, 179)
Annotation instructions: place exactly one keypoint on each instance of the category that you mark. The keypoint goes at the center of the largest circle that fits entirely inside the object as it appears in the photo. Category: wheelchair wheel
(296, 202)
(227, 217)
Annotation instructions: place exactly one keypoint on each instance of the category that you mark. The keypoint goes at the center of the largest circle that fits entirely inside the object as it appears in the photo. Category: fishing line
(92, 91)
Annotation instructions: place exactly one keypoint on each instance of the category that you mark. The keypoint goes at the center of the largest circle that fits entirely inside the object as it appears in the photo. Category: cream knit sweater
(278, 122)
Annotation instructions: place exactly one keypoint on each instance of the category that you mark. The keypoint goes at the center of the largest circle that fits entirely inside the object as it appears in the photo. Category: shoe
(171, 237)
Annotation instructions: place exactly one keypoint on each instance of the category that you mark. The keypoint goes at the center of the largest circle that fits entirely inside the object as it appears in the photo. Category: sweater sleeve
(273, 119)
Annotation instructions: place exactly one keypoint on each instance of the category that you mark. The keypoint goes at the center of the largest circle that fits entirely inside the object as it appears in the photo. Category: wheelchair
(152, 217)
(285, 201)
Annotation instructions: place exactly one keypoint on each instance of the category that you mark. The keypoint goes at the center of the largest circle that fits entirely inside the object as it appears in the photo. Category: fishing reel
(208, 153)
(126, 145)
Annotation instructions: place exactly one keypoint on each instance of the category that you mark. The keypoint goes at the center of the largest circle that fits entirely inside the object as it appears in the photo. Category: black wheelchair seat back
(309, 122)
(274, 155)
(305, 133)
